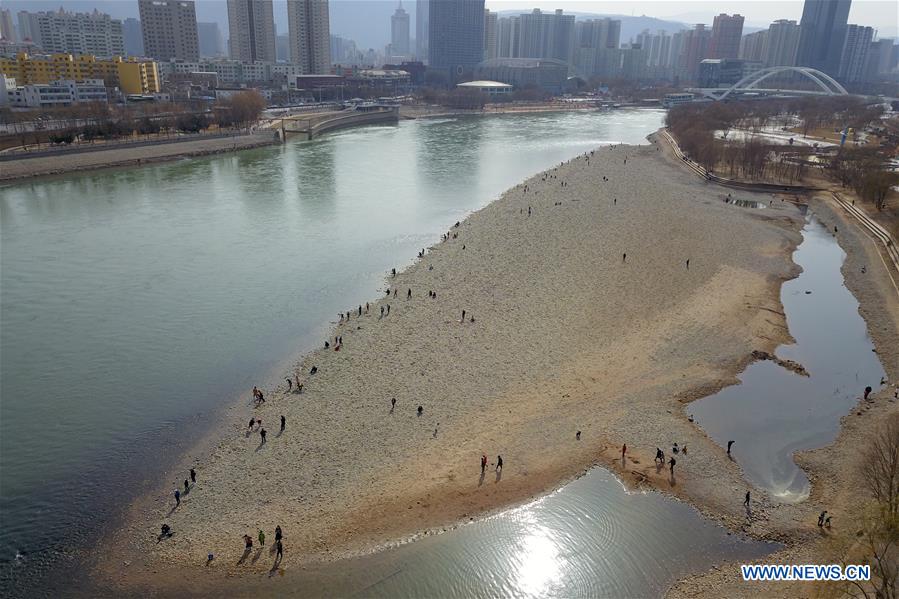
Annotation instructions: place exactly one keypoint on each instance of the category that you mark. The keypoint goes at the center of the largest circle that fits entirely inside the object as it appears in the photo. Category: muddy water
(775, 412)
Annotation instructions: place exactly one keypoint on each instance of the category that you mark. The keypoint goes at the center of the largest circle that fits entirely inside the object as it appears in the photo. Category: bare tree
(881, 467)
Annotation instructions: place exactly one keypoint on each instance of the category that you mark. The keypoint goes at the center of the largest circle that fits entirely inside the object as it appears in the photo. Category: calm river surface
(773, 412)
(134, 303)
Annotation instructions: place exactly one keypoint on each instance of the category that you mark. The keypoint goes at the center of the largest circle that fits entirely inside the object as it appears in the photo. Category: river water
(136, 302)
(775, 412)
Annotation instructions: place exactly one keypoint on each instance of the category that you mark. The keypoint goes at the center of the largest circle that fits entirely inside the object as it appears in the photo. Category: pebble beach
(581, 314)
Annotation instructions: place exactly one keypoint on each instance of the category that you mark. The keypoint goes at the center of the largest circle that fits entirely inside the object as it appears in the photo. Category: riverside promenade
(73, 160)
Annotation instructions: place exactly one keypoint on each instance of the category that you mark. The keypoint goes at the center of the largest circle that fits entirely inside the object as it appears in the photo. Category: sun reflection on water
(537, 561)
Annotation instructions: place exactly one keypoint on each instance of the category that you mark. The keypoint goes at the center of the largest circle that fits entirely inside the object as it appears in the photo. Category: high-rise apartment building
(169, 29)
(421, 29)
(695, 48)
(399, 32)
(880, 57)
(754, 46)
(308, 24)
(854, 53)
(508, 37)
(491, 37)
(599, 33)
(7, 30)
(251, 27)
(61, 32)
(455, 35)
(782, 43)
(656, 47)
(547, 35)
(726, 33)
(596, 45)
(209, 38)
(25, 21)
(823, 31)
(134, 40)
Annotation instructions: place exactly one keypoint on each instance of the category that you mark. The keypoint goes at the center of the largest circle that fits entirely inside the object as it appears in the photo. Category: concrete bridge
(309, 126)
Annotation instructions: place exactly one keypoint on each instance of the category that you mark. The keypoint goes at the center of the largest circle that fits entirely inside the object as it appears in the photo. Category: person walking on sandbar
(262, 434)
(283, 422)
(746, 500)
(624, 257)
(193, 476)
(261, 538)
(623, 451)
(499, 463)
(483, 463)
(280, 550)
(177, 497)
(671, 464)
(729, 443)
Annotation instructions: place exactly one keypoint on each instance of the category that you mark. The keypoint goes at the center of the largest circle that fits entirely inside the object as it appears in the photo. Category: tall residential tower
(169, 29)
(251, 26)
(823, 32)
(308, 23)
(399, 32)
(455, 35)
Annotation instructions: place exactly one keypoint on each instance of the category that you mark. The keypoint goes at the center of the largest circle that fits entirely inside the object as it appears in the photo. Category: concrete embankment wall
(344, 121)
(102, 147)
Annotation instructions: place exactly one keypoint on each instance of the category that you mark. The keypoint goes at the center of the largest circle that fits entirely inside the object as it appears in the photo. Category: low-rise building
(547, 73)
(132, 76)
(53, 94)
(491, 88)
(674, 99)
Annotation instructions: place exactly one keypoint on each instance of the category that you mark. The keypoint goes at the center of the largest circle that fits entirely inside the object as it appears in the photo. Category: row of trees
(90, 122)
(875, 538)
(706, 133)
(474, 99)
(863, 170)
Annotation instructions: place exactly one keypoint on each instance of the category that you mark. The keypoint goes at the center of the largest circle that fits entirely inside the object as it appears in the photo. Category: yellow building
(132, 76)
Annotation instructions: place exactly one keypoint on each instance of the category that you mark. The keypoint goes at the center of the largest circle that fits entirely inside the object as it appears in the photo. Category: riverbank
(74, 161)
(835, 471)
(567, 335)
(429, 111)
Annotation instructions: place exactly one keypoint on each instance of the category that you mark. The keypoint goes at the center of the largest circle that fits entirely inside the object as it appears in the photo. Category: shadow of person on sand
(260, 446)
(275, 566)
(480, 480)
(280, 432)
(257, 556)
(499, 475)
(671, 480)
(246, 554)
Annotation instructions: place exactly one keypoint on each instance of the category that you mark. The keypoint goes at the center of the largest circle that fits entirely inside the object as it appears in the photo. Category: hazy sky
(876, 13)
(368, 21)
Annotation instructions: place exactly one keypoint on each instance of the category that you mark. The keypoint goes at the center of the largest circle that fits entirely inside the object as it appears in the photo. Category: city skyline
(464, 33)
(367, 21)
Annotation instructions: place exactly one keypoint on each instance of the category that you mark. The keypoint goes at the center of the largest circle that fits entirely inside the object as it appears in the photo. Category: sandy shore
(128, 156)
(835, 470)
(566, 336)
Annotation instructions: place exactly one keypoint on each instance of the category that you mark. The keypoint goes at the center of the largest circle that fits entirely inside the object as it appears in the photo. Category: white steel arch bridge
(826, 85)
